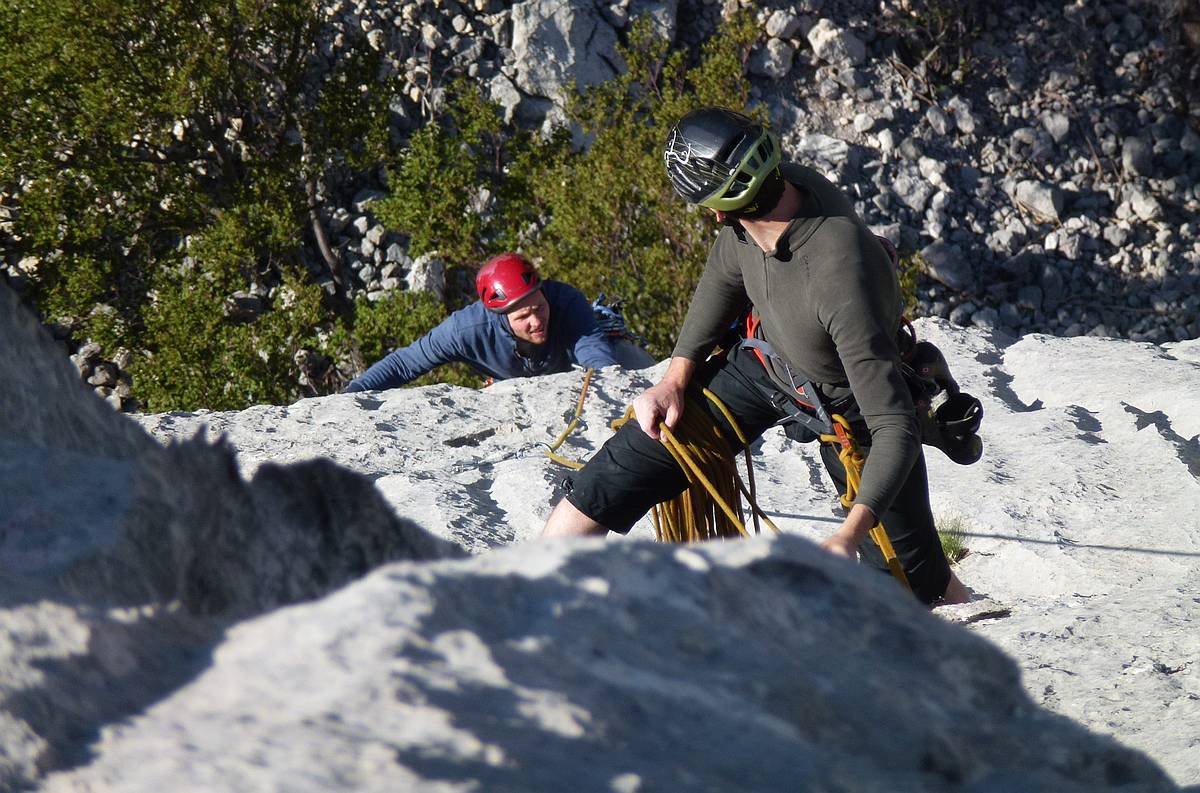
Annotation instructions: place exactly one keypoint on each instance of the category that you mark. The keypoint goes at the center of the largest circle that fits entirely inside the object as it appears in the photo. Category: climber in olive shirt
(829, 304)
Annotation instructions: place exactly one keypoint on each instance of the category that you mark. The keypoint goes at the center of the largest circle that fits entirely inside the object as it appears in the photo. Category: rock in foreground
(740, 666)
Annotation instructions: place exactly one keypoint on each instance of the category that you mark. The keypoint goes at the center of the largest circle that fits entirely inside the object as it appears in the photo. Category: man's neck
(766, 230)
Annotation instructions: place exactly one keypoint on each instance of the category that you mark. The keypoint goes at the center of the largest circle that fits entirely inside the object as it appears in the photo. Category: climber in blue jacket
(521, 326)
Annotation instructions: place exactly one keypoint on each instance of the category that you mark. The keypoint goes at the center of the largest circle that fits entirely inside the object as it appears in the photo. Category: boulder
(558, 41)
(946, 263)
(1043, 201)
(120, 557)
(836, 45)
(427, 274)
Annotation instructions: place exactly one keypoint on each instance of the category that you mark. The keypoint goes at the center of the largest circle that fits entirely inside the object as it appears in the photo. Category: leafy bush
(603, 218)
(202, 357)
(155, 175)
(176, 149)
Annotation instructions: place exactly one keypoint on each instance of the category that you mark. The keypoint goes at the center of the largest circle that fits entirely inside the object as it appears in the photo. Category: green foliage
(953, 533)
(910, 269)
(616, 226)
(466, 185)
(605, 218)
(202, 357)
(137, 134)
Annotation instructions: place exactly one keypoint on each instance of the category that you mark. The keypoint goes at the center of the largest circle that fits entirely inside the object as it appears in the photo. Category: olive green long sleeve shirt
(830, 304)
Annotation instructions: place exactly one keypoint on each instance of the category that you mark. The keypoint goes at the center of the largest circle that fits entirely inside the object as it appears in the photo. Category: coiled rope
(714, 510)
(701, 452)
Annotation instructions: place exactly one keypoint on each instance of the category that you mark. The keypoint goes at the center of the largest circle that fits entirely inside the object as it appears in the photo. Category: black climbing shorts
(632, 472)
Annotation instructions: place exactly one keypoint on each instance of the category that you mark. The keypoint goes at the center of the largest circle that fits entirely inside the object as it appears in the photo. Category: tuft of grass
(953, 532)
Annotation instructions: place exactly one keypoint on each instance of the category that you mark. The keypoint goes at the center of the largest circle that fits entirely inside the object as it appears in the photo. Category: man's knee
(567, 521)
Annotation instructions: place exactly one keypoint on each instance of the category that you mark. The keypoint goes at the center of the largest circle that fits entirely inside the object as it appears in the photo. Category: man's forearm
(679, 372)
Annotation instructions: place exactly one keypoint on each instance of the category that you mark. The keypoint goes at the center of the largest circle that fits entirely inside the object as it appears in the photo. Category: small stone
(887, 141)
(89, 353)
(431, 37)
(1137, 158)
(914, 193)
(104, 374)
(782, 24)
(1030, 297)
(828, 89)
(395, 253)
(986, 317)
(123, 358)
(1190, 142)
(964, 118)
(937, 120)
(961, 315)
(863, 122)
(1044, 201)
(834, 45)
(338, 220)
(1144, 204)
(934, 172)
(364, 198)
(946, 263)
(773, 60)
(1052, 287)
(910, 149)
(1057, 124)
(243, 307)
(427, 274)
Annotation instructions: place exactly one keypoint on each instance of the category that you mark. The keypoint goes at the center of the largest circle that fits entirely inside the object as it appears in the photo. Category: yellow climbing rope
(852, 461)
(552, 451)
(715, 510)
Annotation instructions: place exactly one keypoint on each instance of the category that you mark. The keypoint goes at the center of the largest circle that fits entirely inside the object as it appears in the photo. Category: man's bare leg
(567, 521)
(955, 592)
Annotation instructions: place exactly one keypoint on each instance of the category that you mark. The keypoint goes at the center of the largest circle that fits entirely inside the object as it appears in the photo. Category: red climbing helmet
(505, 279)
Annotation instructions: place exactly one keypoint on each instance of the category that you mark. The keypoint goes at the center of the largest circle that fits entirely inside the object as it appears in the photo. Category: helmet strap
(766, 199)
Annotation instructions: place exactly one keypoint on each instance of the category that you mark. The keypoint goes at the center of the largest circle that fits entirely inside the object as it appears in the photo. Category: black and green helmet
(719, 159)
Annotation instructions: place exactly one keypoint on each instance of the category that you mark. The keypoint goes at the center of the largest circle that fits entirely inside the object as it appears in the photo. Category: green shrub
(201, 357)
(137, 133)
(953, 533)
(603, 218)
(911, 267)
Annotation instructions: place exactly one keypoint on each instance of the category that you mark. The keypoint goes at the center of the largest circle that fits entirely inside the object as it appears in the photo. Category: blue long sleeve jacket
(484, 340)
